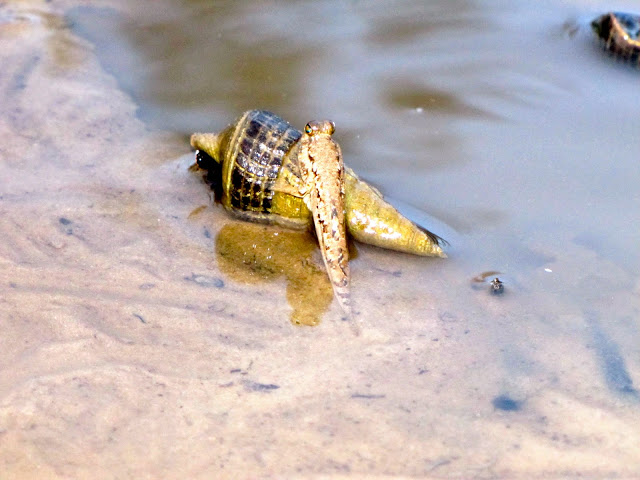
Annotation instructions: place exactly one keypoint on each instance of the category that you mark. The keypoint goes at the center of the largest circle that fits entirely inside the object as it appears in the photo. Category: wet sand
(129, 349)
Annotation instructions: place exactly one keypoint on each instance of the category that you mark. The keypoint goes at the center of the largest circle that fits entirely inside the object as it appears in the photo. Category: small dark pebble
(68, 224)
(140, 317)
(205, 280)
(505, 403)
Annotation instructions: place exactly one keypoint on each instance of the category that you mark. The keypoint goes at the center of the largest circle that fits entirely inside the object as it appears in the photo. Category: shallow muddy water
(148, 334)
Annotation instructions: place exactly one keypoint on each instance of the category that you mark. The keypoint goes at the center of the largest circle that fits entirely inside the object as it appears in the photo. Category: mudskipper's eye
(307, 129)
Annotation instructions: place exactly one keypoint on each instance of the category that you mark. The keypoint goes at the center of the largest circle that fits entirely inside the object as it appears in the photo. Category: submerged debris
(620, 34)
(497, 287)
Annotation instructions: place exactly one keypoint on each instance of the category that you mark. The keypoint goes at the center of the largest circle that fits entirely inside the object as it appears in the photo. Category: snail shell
(620, 33)
(254, 162)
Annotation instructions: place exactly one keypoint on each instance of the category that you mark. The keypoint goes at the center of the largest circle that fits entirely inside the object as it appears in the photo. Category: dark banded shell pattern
(620, 33)
(264, 140)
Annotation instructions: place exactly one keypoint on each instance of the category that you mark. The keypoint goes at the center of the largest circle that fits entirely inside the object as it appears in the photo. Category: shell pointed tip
(205, 141)
(194, 140)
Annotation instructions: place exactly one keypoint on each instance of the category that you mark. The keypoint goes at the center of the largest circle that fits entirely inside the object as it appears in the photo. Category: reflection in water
(252, 253)
(434, 100)
(210, 56)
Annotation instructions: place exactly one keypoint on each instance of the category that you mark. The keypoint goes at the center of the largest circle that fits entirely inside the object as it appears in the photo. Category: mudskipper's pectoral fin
(333, 246)
(287, 187)
(289, 179)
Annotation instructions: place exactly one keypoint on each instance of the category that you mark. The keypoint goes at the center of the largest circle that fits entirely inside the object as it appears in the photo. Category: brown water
(148, 335)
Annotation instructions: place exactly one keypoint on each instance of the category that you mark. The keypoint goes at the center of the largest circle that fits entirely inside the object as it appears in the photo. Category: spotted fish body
(620, 33)
(322, 190)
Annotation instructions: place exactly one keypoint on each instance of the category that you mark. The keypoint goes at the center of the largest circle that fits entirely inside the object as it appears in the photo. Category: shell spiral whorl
(260, 144)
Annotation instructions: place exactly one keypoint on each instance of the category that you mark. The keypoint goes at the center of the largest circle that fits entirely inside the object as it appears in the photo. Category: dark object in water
(497, 287)
(611, 359)
(213, 176)
(620, 33)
